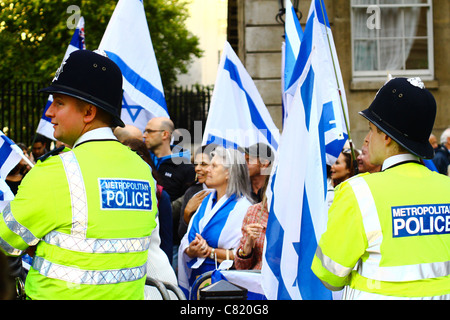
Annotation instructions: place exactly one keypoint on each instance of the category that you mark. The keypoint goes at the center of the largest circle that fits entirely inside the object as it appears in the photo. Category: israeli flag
(45, 127)
(10, 156)
(297, 189)
(237, 115)
(331, 90)
(127, 42)
(290, 49)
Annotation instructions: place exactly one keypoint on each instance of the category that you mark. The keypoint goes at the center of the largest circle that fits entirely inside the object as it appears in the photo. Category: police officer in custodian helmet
(388, 233)
(89, 211)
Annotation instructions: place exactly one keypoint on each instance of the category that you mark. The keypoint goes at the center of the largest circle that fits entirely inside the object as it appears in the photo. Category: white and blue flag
(10, 156)
(45, 127)
(237, 115)
(291, 47)
(297, 188)
(331, 90)
(127, 42)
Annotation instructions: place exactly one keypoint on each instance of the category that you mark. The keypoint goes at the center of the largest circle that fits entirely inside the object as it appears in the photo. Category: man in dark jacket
(173, 164)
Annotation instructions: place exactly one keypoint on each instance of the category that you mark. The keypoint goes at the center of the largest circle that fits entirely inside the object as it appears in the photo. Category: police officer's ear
(92, 113)
(89, 112)
(388, 141)
(394, 147)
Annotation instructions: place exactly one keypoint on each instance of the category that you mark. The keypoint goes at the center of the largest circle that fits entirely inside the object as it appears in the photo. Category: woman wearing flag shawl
(214, 231)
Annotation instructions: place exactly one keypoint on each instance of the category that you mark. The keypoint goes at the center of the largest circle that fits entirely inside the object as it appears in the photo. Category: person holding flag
(88, 212)
(387, 235)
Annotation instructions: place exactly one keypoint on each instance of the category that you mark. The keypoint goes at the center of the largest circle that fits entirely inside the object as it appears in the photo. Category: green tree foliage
(34, 35)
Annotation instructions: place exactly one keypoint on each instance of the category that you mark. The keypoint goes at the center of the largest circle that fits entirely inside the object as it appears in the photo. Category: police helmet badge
(59, 71)
(417, 82)
(101, 52)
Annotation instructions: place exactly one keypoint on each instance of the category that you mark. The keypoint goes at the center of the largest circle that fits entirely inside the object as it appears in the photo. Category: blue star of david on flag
(133, 113)
(133, 110)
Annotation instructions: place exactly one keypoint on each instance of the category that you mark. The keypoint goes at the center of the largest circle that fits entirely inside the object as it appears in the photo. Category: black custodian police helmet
(92, 77)
(405, 111)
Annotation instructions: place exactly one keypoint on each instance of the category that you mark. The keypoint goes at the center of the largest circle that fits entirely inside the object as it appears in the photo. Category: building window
(392, 37)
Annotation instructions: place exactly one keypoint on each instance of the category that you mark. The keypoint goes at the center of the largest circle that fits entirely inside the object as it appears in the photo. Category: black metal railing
(188, 104)
(21, 108)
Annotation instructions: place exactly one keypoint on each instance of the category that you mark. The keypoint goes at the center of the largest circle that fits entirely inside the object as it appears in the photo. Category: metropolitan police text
(420, 220)
(125, 194)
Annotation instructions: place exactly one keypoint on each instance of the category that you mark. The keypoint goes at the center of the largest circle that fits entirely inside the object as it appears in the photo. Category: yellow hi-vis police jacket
(90, 212)
(388, 235)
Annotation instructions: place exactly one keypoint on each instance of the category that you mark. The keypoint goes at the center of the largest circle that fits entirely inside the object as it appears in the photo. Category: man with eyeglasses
(173, 164)
(388, 233)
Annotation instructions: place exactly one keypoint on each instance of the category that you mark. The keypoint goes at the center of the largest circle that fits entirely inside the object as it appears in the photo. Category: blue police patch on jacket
(121, 194)
(420, 220)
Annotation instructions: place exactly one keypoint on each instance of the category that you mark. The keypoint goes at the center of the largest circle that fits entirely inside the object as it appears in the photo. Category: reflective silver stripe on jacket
(80, 276)
(77, 194)
(123, 245)
(371, 267)
(332, 266)
(369, 214)
(9, 249)
(18, 229)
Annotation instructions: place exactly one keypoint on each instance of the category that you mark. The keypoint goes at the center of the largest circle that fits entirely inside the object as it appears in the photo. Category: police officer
(388, 233)
(89, 211)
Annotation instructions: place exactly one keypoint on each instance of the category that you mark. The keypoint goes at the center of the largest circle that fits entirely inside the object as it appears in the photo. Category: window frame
(375, 75)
